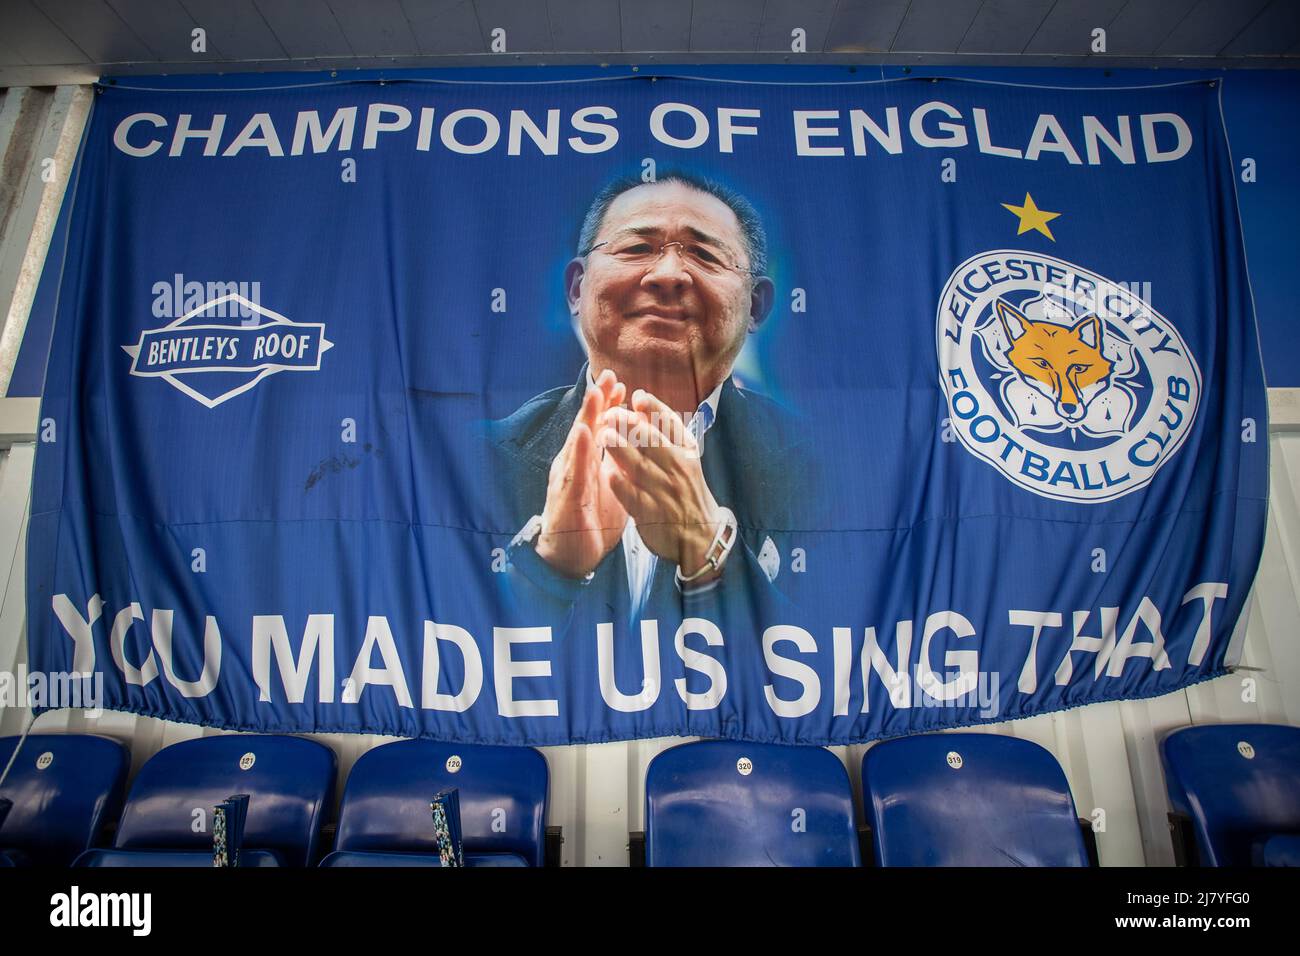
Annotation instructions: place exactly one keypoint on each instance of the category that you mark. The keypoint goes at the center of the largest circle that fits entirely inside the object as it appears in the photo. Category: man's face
(677, 314)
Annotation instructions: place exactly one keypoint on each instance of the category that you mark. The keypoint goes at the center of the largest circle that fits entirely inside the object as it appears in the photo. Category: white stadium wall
(1109, 751)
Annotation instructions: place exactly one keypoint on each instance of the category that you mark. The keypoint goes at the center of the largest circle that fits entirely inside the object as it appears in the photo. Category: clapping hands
(636, 459)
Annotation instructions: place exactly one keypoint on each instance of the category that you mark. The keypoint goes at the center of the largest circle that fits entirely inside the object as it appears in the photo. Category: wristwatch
(723, 540)
(528, 535)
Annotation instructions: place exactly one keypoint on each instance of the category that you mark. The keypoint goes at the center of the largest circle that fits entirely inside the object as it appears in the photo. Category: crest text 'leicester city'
(1068, 383)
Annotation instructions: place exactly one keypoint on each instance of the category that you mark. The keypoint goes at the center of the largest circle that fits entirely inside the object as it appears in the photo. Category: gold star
(1031, 217)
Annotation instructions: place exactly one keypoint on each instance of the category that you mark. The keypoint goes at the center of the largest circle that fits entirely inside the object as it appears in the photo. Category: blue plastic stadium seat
(969, 800)
(384, 819)
(1240, 785)
(289, 780)
(1280, 850)
(65, 788)
(725, 803)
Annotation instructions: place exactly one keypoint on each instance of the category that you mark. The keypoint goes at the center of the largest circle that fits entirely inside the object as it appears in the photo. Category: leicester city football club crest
(225, 347)
(1069, 384)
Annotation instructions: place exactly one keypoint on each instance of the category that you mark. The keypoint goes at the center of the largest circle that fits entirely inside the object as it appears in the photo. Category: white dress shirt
(640, 560)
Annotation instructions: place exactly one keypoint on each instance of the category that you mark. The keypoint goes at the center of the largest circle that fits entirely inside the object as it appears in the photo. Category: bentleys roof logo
(212, 359)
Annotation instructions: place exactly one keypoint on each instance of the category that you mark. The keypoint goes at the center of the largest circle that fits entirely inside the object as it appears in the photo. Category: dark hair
(751, 226)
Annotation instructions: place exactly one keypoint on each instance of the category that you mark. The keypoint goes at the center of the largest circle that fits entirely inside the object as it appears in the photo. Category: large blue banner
(571, 412)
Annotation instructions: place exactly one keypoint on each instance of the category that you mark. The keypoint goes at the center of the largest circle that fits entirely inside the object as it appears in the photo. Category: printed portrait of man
(653, 482)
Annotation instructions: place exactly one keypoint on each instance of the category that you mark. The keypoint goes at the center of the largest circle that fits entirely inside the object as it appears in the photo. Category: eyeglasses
(635, 251)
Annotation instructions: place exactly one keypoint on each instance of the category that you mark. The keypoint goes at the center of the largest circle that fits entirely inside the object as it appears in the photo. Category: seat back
(1239, 784)
(289, 780)
(65, 788)
(726, 803)
(969, 800)
(503, 792)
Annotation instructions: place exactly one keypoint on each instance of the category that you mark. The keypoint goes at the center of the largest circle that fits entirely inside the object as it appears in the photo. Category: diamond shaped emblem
(212, 358)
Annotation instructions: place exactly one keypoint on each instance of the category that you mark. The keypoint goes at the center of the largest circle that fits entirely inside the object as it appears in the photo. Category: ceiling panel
(444, 26)
(236, 28)
(725, 24)
(165, 28)
(936, 26)
(1210, 27)
(96, 29)
(41, 41)
(781, 17)
(579, 25)
(306, 28)
(865, 25)
(375, 27)
(48, 39)
(1272, 33)
(1005, 26)
(663, 25)
(1144, 24)
(1068, 26)
(528, 30)
(8, 55)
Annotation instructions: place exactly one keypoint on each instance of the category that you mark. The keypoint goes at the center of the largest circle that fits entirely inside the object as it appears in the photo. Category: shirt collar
(706, 414)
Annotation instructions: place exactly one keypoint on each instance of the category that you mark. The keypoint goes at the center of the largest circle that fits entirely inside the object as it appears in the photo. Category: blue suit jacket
(755, 464)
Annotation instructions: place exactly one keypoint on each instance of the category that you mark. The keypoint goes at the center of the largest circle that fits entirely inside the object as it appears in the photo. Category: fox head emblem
(1063, 363)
